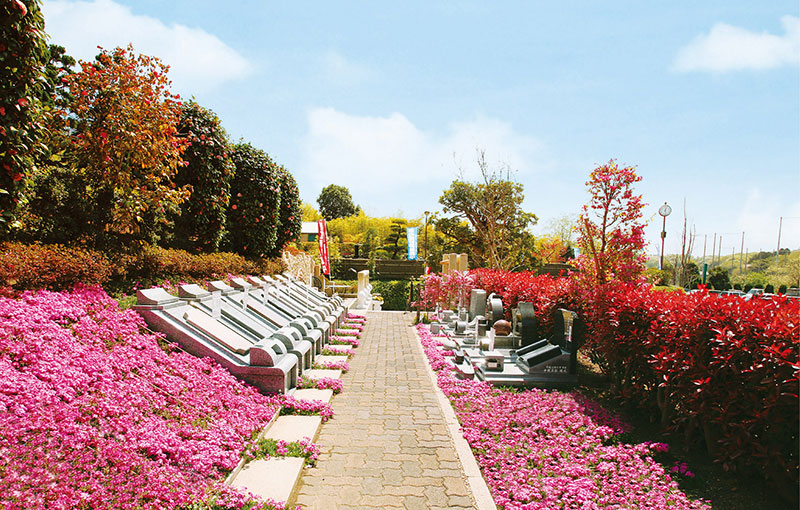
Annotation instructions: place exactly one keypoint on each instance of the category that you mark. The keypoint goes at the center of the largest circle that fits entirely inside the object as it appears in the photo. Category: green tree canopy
(335, 202)
(719, 278)
(200, 225)
(255, 203)
(23, 53)
(493, 209)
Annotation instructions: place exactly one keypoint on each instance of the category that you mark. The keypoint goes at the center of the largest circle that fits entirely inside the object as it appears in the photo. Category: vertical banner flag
(322, 239)
(411, 234)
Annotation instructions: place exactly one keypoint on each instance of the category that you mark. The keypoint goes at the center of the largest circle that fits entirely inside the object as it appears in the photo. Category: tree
(493, 209)
(309, 213)
(23, 52)
(719, 278)
(124, 125)
(289, 219)
(611, 234)
(200, 224)
(335, 202)
(396, 243)
(254, 208)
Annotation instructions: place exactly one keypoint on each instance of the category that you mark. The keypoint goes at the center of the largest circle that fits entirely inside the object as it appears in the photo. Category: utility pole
(719, 252)
(778, 249)
(705, 241)
(741, 250)
(714, 247)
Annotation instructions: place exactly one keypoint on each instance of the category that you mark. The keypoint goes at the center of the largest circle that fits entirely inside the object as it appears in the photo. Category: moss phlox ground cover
(94, 413)
(547, 450)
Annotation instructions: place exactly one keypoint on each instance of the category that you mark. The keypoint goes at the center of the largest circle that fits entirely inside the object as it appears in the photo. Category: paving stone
(309, 394)
(271, 478)
(325, 358)
(294, 428)
(320, 373)
(388, 445)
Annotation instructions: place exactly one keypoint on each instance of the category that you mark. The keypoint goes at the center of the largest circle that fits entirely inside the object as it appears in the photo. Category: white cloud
(389, 164)
(199, 61)
(729, 48)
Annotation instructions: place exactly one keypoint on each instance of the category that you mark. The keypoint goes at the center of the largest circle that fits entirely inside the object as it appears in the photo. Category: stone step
(273, 478)
(329, 359)
(343, 346)
(313, 394)
(319, 373)
(294, 428)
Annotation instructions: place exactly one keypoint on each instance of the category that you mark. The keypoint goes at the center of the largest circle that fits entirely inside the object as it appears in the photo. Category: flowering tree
(255, 202)
(201, 223)
(124, 122)
(611, 233)
(22, 54)
(290, 218)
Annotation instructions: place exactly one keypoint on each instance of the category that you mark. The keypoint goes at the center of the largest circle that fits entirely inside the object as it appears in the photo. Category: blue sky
(392, 99)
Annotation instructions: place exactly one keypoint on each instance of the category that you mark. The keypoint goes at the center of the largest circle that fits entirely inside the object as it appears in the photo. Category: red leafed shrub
(53, 267)
(719, 364)
(716, 364)
(545, 292)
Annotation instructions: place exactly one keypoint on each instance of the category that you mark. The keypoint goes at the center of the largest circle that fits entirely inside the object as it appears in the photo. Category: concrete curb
(477, 485)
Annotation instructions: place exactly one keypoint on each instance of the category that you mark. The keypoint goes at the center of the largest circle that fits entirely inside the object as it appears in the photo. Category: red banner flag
(322, 238)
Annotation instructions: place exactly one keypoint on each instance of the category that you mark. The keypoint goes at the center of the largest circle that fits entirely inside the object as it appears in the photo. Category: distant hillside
(757, 269)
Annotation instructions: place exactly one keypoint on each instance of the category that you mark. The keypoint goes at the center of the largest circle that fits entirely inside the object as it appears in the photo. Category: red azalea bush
(719, 364)
(93, 413)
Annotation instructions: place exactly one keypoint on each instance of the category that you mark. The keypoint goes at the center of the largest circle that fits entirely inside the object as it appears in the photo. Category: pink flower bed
(356, 317)
(333, 365)
(323, 383)
(347, 332)
(94, 414)
(545, 450)
(336, 350)
(344, 340)
(291, 405)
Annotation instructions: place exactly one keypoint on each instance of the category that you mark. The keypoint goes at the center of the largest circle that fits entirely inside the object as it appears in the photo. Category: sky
(394, 100)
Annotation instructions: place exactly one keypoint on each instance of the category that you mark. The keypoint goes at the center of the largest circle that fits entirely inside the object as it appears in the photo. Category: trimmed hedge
(58, 267)
(393, 292)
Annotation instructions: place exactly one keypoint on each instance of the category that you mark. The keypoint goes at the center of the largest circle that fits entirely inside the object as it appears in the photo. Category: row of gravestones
(266, 331)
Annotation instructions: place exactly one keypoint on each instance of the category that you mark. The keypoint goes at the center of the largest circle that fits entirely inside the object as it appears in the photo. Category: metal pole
(714, 247)
(663, 235)
(741, 250)
(719, 251)
(747, 258)
(778, 250)
(705, 242)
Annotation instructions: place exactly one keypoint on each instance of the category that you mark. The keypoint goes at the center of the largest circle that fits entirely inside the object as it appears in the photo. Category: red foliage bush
(53, 267)
(719, 364)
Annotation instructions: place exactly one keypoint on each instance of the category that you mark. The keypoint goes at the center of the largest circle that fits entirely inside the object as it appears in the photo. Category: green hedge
(394, 293)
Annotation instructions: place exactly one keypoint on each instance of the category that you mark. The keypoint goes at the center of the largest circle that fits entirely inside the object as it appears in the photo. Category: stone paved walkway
(388, 445)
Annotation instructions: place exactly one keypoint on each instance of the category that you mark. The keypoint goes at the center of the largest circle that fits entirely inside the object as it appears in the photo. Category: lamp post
(664, 211)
